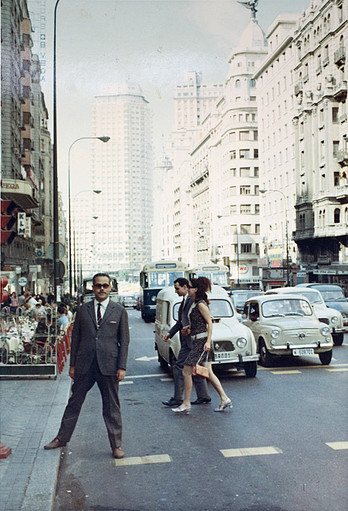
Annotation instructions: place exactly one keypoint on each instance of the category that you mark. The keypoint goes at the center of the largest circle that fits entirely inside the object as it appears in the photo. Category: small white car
(233, 343)
(287, 325)
(325, 314)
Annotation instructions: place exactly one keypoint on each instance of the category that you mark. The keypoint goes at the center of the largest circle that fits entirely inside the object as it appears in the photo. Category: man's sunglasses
(99, 286)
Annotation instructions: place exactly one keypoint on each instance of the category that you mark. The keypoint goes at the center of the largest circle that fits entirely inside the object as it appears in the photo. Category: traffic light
(7, 222)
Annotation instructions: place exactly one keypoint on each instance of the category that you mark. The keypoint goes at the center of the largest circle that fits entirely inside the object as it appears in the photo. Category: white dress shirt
(103, 306)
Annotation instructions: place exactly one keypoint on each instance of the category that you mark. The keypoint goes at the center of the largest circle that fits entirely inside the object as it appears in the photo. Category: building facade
(123, 171)
(302, 89)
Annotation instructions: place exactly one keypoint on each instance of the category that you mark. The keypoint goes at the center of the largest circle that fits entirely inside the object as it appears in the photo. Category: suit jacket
(109, 343)
(183, 321)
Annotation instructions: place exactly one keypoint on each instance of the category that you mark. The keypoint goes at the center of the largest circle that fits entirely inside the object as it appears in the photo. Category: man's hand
(72, 372)
(165, 337)
(186, 330)
(121, 373)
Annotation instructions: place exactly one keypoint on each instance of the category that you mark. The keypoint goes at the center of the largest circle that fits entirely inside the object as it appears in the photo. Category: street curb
(41, 489)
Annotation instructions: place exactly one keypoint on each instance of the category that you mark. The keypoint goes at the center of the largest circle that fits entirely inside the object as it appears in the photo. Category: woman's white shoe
(224, 405)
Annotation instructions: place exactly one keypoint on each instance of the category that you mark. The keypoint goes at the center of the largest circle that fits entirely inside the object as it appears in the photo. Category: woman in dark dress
(200, 329)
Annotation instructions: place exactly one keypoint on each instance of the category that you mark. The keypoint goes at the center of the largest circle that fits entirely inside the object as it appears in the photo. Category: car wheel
(338, 339)
(163, 363)
(265, 356)
(325, 358)
(250, 369)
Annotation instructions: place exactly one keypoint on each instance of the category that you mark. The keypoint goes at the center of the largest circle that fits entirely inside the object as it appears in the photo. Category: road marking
(143, 460)
(286, 372)
(135, 376)
(250, 451)
(146, 359)
(338, 446)
(126, 382)
(319, 366)
(167, 379)
(337, 370)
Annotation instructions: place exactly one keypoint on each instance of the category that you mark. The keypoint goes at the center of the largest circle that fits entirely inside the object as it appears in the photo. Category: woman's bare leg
(187, 374)
(214, 380)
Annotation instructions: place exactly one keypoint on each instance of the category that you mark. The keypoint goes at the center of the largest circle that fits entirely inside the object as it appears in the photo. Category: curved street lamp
(102, 139)
(286, 232)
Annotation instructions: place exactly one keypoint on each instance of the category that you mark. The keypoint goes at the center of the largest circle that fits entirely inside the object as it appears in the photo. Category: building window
(335, 147)
(337, 216)
(336, 179)
(335, 114)
(244, 135)
(245, 209)
(244, 153)
(245, 172)
(238, 84)
(245, 190)
(257, 228)
(245, 248)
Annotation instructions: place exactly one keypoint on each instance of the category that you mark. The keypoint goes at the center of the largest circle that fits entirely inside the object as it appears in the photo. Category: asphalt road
(283, 446)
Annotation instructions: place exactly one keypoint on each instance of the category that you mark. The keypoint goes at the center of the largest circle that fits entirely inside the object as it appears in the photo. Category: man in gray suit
(181, 289)
(99, 348)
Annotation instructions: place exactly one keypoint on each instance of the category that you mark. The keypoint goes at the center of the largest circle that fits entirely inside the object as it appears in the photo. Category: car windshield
(286, 307)
(332, 294)
(242, 297)
(312, 296)
(218, 309)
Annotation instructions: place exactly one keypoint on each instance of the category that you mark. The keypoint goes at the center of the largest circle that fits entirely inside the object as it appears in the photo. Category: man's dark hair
(101, 275)
(62, 309)
(181, 281)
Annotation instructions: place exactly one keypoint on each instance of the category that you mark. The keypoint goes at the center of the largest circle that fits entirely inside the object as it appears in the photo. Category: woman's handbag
(200, 370)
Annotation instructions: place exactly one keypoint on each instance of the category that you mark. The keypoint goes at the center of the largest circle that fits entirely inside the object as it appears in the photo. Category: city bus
(218, 274)
(155, 276)
(87, 291)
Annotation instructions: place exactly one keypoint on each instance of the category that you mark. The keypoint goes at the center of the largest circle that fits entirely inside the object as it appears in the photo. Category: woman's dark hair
(203, 285)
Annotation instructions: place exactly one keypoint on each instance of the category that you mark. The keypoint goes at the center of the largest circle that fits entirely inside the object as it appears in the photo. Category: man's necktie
(99, 316)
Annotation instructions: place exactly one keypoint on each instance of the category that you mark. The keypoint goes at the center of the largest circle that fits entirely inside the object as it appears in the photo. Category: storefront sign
(21, 224)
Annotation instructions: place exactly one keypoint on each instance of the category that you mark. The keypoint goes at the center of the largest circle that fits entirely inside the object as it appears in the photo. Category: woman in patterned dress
(201, 327)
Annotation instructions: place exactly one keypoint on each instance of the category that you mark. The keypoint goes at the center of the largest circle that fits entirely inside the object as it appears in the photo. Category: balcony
(342, 158)
(298, 88)
(340, 91)
(340, 56)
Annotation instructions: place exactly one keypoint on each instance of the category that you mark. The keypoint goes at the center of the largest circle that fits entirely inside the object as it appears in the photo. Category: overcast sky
(152, 43)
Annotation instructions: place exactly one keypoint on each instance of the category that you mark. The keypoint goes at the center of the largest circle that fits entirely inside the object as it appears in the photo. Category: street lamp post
(286, 233)
(74, 263)
(55, 164)
(237, 249)
(102, 139)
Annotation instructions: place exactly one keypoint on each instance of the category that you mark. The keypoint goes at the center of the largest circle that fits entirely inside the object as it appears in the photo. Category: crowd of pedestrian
(38, 306)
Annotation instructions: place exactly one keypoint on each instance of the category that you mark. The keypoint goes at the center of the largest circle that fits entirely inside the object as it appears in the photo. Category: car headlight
(334, 319)
(241, 342)
(275, 334)
(325, 331)
(153, 298)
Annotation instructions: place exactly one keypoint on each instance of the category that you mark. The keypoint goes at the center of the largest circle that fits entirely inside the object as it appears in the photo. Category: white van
(233, 343)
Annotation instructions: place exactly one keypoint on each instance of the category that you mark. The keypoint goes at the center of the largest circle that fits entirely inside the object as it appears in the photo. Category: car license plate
(303, 351)
(223, 355)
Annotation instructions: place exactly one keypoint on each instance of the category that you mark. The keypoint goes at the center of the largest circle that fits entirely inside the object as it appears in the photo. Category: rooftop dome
(253, 38)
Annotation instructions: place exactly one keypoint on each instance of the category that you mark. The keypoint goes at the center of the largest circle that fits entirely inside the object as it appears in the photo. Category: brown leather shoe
(54, 444)
(118, 452)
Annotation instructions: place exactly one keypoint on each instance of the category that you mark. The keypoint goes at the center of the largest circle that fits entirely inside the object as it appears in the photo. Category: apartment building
(225, 170)
(302, 89)
(123, 170)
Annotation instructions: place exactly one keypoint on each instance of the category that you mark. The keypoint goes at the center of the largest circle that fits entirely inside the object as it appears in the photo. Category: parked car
(331, 317)
(287, 325)
(240, 296)
(232, 342)
(333, 296)
(129, 301)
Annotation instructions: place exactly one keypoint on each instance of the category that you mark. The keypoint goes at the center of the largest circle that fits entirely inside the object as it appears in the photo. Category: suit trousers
(200, 383)
(108, 387)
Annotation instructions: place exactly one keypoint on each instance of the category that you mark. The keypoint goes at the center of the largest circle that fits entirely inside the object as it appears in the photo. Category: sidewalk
(30, 414)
